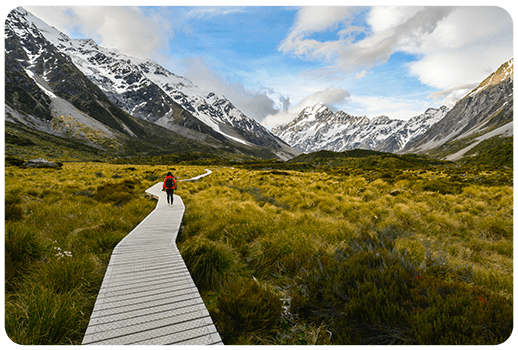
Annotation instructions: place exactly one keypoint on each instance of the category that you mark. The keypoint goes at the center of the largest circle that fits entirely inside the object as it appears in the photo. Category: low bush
(368, 292)
(116, 193)
(440, 186)
(210, 263)
(245, 308)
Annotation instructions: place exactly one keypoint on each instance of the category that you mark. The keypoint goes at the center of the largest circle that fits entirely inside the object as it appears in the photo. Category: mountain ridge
(145, 89)
(318, 128)
(484, 113)
(487, 108)
(45, 84)
(76, 88)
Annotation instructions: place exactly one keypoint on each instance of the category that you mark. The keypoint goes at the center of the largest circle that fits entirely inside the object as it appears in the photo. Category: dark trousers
(170, 193)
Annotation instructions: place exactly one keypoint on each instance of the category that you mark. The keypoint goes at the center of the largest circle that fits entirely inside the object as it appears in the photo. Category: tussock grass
(280, 256)
(211, 263)
(421, 238)
(61, 227)
(246, 309)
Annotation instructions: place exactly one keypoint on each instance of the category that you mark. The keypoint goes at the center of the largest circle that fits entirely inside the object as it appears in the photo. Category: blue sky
(272, 61)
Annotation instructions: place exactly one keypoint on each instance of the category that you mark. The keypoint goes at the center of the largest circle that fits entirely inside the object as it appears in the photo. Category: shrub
(116, 193)
(22, 247)
(370, 293)
(440, 186)
(247, 308)
(210, 263)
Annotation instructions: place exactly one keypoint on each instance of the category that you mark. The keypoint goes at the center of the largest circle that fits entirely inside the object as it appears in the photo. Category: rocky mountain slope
(75, 88)
(147, 90)
(483, 114)
(318, 128)
(44, 89)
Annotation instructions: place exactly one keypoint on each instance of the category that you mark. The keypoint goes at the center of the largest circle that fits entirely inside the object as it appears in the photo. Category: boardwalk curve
(147, 295)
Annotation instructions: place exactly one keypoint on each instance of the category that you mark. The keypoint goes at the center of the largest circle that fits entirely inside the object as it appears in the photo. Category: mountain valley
(119, 106)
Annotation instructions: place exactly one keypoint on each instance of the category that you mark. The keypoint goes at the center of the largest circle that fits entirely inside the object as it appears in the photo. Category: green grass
(287, 254)
(61, 227)
(336, 245)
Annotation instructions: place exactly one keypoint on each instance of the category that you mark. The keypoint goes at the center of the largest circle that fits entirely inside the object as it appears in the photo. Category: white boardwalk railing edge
(147, 296)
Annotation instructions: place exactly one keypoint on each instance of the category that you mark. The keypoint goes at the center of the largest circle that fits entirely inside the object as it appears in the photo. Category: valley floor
(279, 256)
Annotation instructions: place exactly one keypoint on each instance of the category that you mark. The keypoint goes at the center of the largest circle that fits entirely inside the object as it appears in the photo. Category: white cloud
(311, 20)
(467, 46)
(455, 45)
(332, 98)
(210, 12)
(391, 29)
(449, 97)
(384, 18)
(124, 28)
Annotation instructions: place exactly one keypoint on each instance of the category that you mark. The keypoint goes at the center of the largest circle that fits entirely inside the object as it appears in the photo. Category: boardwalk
(147, 295)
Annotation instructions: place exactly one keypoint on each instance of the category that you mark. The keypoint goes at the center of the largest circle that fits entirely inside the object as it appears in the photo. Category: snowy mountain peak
(315, 109)
(504, 72)
(312, 113)
(318, 128)
(140, 87)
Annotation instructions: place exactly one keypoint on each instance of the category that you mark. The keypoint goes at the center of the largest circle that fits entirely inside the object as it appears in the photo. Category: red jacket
(174, 182)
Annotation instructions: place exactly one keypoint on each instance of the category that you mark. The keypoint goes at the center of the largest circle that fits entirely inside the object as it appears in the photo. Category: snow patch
(503, 131)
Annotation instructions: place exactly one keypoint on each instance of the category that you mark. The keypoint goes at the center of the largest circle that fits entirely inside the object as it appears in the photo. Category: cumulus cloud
(391, 29)
(124, 28)
(455, 45)
(469, 45)
(311, 20)
(332, 98)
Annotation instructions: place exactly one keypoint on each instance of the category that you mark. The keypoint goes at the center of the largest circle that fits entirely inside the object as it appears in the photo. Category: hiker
(169, 186)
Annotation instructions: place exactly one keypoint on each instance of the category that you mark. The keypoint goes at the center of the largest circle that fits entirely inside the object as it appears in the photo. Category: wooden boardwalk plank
(148, 296)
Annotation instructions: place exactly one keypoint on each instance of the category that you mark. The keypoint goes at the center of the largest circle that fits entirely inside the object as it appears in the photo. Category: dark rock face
(41, 163)
(492, 106)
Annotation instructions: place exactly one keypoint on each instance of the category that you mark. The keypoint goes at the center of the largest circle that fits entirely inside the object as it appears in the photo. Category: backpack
(169, 182)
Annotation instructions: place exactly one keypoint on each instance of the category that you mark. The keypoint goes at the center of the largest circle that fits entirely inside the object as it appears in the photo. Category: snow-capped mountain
(146, 90)
(44, 90)
(112, 101)
(318, 128)
(485, 112)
